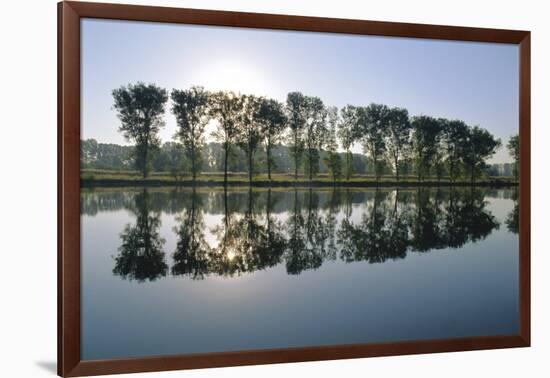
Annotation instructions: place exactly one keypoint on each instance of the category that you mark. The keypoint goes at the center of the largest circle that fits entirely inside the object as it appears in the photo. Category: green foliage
(480, 145)
(296, 121)
(225, 108)
(454, 142)
(332, 159)
(249, 134)
(314, 133)
(191, 109)
(172, 158)
(372, 127)
(105, 156)
(513, 149)
(272, 120)
(425, 143)
(250, 131)
(140, 108)
(398, 137)
(347, 133)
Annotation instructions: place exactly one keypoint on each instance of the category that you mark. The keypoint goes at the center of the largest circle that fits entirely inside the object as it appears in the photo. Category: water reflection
(248, 241)
(192, 251)
(380, 235)
(512, 220)
(302, 229)
(140, 254)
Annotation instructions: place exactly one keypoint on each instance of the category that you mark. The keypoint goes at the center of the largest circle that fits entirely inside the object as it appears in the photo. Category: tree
(480, 145)
(191, 109)
(373, 123)
(513, 149)
(105, 156)
(439, 163)
(347, 132)
(332, 159)
(426, 132)
(249, 135)
(455, 134)
(314, 131)
(296, 119)
(272, 119)
(171, 158)
(398, 137)
(140, 108)
(225, 107)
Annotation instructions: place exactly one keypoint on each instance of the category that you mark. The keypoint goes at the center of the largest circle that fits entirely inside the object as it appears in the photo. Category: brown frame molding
(69, 15)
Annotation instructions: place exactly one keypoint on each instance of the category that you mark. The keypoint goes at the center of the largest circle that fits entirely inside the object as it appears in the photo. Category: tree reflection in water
(246, 243)
(308, 234)
(140, 255)
(301, 229)
(380, 235)
(192, 250)
(512, 220)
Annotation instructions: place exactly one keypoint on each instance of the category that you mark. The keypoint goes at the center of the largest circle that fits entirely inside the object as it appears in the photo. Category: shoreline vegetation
(101, 178)
(260, 141)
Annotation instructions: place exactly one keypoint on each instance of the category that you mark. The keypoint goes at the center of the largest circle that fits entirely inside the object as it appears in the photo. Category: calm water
(168, 271)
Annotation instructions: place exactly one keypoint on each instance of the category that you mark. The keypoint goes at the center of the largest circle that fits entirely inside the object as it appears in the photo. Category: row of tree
(389, 136)
(170, 159)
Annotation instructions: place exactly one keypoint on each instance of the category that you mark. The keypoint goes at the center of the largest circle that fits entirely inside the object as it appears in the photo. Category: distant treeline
(249, 126)
(109, 156)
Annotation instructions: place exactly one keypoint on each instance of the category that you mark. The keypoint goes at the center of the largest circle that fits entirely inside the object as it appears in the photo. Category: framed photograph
(240, 188)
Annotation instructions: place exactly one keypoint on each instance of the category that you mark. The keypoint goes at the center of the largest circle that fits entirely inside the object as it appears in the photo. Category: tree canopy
(191, 109)
(140, 108)
(260, 134)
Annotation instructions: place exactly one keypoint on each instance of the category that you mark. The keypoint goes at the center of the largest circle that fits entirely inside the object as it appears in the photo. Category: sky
(472, 81)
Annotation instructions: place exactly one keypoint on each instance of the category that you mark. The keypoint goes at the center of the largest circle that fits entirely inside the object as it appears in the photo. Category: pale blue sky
(475, 82)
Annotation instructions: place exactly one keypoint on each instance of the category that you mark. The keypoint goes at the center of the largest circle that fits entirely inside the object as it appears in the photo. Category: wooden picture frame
(69, 269)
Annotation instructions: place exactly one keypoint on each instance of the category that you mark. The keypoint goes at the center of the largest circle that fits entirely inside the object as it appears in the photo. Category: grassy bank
(92, 178)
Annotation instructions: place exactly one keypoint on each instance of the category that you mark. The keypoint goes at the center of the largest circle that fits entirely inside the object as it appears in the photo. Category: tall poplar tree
(140, 109)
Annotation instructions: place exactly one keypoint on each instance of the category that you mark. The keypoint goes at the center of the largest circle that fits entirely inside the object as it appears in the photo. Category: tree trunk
(194, 167)
(395, 203)
(268, 210)
(193, 163)
(376, 169)
(420, 167)
(295, 157)
(396, 169)
(225, 208)
(144, 168)
(310, 167)
(348, 165)
(226, 152)
(250, 167)
(268, 150)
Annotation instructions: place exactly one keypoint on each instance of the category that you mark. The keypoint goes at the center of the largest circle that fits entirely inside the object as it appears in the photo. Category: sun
(233, 74)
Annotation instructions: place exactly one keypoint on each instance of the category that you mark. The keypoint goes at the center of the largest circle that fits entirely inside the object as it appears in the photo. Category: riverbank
(115, 178)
